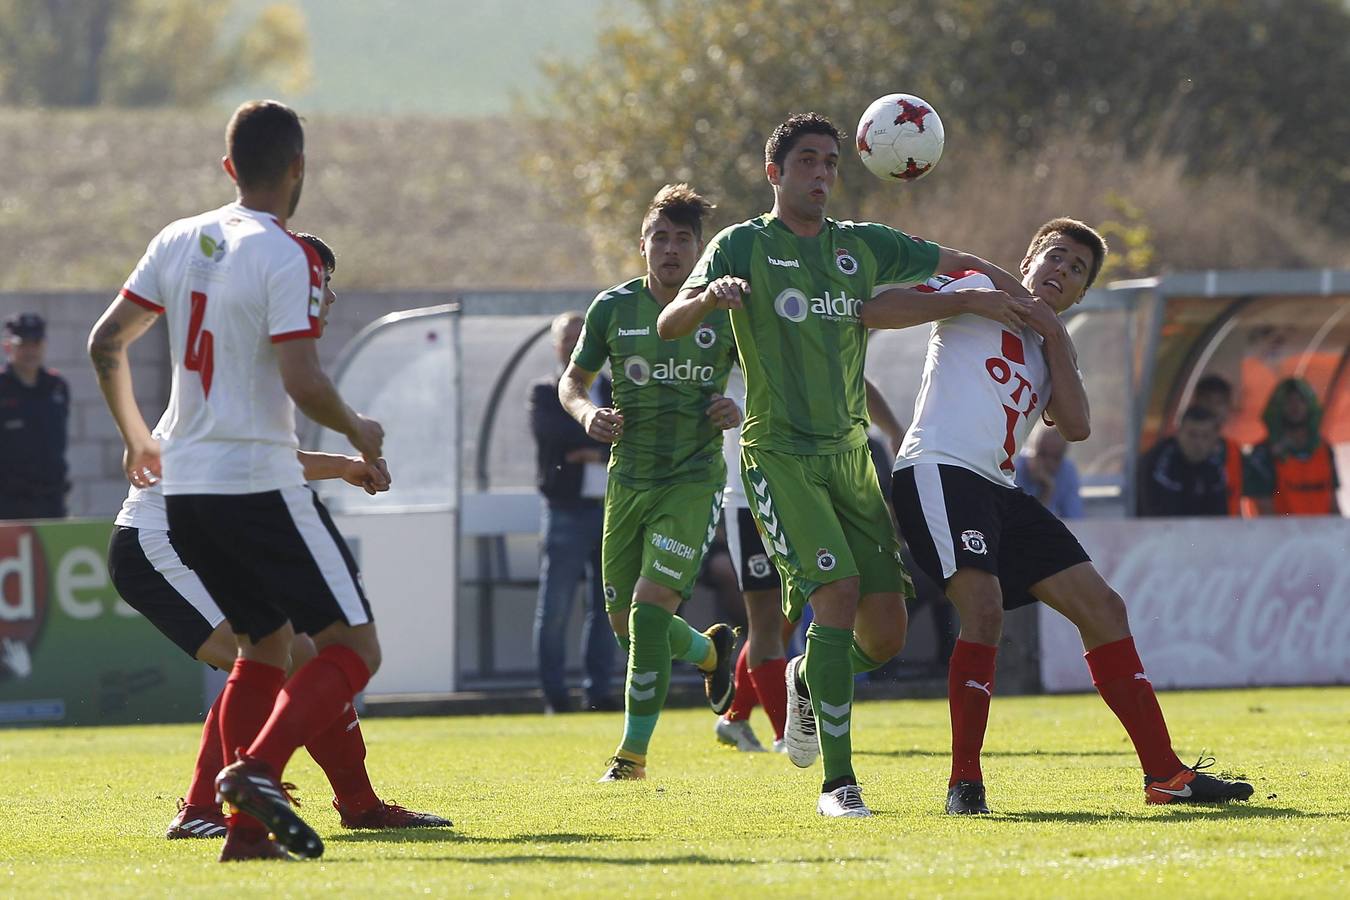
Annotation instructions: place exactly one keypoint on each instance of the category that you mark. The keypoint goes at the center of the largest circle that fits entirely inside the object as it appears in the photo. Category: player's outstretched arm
(682, 315)
(1068, 407)
(315, 395)
(950, 260)
(121, 324)
(602, 423)
(372, 477)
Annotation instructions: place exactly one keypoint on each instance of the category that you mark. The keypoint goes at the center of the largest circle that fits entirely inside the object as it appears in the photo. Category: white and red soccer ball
(900, 138)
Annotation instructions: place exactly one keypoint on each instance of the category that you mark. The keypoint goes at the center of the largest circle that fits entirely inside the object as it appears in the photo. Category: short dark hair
(1200, 415)
(682, 205)
(786, 135)
(262, 139)
(326, 254)
(1076, 231)
(1214, 384)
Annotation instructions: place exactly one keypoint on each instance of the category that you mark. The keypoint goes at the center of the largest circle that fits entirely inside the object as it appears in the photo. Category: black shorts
(754, 569)
(148, 573)
(268, 558)
(951, 517)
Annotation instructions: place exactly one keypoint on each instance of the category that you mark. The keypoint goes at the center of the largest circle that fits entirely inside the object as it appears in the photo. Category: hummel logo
(635, 332)
(1184, 792)
(785, 263)
(987, 688)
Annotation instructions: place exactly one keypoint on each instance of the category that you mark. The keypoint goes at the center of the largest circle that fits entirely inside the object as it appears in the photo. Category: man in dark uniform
(34, 409)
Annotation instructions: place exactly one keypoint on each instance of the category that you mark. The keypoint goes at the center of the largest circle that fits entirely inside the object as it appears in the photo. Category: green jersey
(800, 336)
(662, 388)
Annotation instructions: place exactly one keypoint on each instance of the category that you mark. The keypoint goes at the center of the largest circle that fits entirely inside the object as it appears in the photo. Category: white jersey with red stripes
(982, 390)
(232, 283)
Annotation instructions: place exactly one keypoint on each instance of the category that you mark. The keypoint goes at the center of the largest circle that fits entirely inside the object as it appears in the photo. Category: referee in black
(34, 412)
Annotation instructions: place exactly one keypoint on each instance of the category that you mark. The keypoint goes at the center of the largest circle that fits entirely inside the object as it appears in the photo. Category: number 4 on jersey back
(199, 357)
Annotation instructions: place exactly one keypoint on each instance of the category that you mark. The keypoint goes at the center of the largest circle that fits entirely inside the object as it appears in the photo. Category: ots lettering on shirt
(983, 387)
(800, 338)
(662, 388)
(232, 283)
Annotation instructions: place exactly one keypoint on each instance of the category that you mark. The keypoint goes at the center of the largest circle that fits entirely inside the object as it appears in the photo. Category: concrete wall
(95, 449)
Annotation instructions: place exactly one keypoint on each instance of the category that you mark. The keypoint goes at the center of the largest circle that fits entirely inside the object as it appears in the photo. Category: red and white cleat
(390, 815)
(194, 821)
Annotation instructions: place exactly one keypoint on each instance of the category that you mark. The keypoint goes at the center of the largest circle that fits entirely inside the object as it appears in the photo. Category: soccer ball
(900, 138)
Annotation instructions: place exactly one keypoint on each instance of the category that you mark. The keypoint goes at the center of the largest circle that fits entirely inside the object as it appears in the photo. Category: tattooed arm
(119, 326)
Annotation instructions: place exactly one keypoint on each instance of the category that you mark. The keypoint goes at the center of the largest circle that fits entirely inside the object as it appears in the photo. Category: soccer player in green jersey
(795, 282)
(666, 472)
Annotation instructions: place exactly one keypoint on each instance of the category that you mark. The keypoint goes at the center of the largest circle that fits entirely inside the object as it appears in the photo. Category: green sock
(829, 678)
(648, 675)
(860, 661)
(687, 644)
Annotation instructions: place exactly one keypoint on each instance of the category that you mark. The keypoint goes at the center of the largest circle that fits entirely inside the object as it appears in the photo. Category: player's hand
(141, 462)
(729, 292)
(604, 424)
(998, 306)
(367, 436)
(724, 412)
(1042, 319)
(371, 477)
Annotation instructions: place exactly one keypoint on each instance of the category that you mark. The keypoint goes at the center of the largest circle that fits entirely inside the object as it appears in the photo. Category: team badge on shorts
(973, 541)
(846, 263)
(824, 560)
(758, 565)
(705, 336)
(611, 594)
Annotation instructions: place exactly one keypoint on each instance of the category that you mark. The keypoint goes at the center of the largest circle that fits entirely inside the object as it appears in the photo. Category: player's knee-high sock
(829, 679)
(767, 677)
(1119, 677)
(859, 659)
(245, 703)
(340, 750)
(690, 645)
(746, 697)
(309, 702)
(648, 677)
(970, 687)
(210, 760)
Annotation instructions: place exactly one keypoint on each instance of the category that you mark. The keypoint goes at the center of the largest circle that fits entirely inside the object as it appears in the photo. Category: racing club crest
(825, 560)
(705, 336)
(846, 263)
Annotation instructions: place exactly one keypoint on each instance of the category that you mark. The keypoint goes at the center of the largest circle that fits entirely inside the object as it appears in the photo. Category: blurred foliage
(691, 93)
(79, 53)
(1130, 239)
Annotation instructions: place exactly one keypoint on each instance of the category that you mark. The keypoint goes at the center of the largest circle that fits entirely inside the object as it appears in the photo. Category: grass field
(82, 810)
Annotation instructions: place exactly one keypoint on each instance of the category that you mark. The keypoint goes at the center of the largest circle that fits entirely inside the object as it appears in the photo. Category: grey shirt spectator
(1048, 474)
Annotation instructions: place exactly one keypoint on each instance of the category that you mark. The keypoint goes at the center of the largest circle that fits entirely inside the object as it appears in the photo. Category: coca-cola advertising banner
(1218, 602)
(70, 650)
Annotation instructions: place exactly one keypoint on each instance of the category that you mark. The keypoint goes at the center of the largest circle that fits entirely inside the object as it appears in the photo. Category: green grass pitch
(82, 811)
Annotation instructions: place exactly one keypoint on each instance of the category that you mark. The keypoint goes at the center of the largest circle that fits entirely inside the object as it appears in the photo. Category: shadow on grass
(915, 752)
(1166, 814)
(449, 835)
(697, 859)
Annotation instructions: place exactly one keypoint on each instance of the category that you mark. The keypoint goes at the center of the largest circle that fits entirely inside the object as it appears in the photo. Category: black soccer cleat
(249, 786)
(720, 683)
(1191, 785)
(966, 798)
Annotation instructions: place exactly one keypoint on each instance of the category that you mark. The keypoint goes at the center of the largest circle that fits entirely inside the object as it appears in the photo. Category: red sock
(310, 701)
(970, 687)
(1119, 677)
(768, 679)
(340, 751)
(249, 695)
(746, 698)
(210, 760)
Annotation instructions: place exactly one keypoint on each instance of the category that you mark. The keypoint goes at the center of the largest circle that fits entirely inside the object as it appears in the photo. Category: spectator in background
(1293, 472)
(34, 411)
(1047, 474)
(571, 477)
(1214, 393)
(1184, 475)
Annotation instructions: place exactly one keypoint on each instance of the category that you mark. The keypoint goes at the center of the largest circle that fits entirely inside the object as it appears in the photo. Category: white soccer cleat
(738, 735)
(803, 744)
(843, 803)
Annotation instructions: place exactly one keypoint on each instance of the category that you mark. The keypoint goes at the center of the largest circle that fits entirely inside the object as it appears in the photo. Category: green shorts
(823, 519)
(659, 534)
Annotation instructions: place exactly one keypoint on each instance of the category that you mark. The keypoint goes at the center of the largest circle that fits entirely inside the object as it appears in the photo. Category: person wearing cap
(34, 411)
